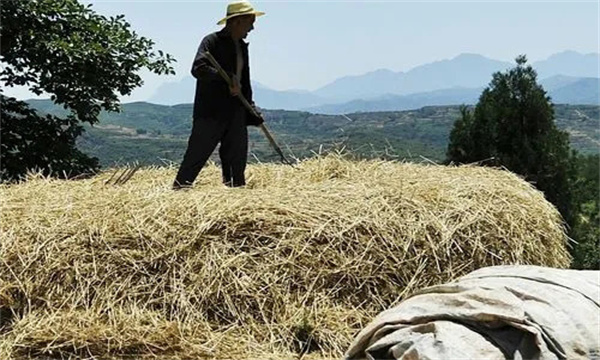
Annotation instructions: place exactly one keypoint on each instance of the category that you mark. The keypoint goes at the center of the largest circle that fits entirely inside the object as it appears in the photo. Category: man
(219, 116)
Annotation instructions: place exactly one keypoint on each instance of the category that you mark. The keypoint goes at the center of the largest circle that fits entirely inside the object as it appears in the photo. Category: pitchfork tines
(122, 175)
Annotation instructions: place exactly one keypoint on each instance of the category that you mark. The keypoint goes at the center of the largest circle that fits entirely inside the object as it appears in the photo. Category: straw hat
(238, 8)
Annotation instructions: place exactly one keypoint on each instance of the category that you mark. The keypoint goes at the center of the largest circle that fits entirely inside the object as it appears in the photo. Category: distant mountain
(569, 63)
(182, 92)
(557, 81)
(465, 71)
(371, 84)
(288, 100)
(173, 93)
(47, 106)
(582, 91)
(561, 89)
(454, 96)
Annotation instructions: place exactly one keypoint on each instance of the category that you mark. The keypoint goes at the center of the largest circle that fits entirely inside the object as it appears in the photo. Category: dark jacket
(213, 98)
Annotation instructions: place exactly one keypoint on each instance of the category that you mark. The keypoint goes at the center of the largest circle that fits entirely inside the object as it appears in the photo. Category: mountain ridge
(466, 70)
(562, 90)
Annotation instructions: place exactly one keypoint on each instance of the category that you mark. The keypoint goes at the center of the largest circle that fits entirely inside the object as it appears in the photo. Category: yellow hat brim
(255, 13)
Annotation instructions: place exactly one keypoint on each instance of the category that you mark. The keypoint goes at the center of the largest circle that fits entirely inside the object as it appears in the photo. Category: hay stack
(298, 262)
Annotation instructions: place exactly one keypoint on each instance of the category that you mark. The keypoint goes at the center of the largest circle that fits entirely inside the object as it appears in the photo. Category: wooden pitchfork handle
(250, 108)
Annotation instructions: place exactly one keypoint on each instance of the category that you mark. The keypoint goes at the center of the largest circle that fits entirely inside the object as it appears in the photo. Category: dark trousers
(206, 134)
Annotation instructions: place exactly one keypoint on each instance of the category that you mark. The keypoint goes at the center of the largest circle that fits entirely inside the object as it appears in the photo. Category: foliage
(84, 60)
(513, 126)
(30, 140)
(586, 225)
(463, 144)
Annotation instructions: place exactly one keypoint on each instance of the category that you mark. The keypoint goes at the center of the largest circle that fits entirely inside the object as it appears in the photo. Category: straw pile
(295, 264)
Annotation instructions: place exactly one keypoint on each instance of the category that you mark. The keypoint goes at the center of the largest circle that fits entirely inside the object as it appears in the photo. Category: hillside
(561, 89)
(155, 134)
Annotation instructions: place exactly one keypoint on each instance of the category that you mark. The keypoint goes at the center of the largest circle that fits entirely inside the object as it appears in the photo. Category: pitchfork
(121, 176)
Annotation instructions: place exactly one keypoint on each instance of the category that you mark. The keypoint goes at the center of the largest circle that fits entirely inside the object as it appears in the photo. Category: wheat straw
(295, 264)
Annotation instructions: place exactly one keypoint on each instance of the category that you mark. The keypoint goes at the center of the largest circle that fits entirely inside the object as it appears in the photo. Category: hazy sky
(307, 44)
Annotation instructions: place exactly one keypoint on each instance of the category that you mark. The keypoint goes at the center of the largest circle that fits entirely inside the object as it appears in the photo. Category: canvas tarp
(500, 312)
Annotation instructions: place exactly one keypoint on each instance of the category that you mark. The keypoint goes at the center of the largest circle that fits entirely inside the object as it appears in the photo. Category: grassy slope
(411, 135)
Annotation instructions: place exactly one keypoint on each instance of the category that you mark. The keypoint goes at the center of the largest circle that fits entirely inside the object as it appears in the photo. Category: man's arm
(247, 90)
(245, 80)
(201, 68)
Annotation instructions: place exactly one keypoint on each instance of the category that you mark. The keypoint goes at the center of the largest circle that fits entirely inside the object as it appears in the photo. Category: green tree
(460, 137)
(83, 60)
(586, 222)
(513, 126)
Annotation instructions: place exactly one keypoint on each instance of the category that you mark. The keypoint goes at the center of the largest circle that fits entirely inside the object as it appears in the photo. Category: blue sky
(307, 44)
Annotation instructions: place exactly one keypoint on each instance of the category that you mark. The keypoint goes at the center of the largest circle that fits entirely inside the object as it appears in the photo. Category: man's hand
(256, 110)
(252, 118)
(236, 88)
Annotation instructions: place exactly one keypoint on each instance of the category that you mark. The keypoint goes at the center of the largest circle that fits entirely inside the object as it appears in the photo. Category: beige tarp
(500, 312)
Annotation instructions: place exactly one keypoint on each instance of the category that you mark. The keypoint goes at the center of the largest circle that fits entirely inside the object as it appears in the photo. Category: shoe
(231, 184)
(177, 186)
